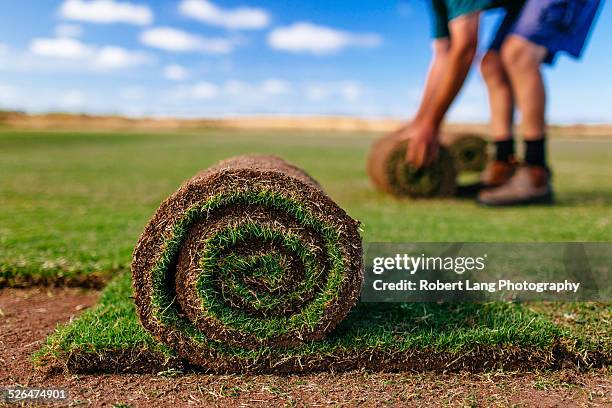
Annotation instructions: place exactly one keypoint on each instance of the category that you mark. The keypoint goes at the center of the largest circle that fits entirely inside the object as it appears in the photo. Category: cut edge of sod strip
(71, 276)
(378, 337)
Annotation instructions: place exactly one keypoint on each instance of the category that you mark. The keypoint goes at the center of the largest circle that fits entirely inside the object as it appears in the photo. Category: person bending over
(531, 34)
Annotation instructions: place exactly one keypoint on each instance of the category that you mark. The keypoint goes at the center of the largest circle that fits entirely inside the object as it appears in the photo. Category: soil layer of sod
(18, 279)
(391, 337)
(249, 253)
(391, 174)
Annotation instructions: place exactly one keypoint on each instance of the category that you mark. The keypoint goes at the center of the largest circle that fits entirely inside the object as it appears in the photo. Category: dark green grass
(73, 204)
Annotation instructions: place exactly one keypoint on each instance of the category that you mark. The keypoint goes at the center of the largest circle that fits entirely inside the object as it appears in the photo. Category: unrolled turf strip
(468, 150)
(249, 253)
(379, 337)
(391, 174)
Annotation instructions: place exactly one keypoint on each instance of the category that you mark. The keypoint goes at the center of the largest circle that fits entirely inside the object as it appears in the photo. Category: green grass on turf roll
(390, 173)
(249, 253)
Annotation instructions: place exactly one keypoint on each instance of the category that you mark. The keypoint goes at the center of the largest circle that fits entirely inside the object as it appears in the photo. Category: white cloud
(67, 48)
(348, 91)
(201, 90)
(113, 57)
(171, 39)
(317, 93)
(98, 58)
(205, 90)
(106, 12)
(236, 91)
(236, 88)
(306, 37)
(72, 99)
(268, 88)
(241, 18)
(176, 72)
(68, 30)
(275, 87)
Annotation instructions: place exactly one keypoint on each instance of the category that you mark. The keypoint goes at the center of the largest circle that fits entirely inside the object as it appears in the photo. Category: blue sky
(201, 58)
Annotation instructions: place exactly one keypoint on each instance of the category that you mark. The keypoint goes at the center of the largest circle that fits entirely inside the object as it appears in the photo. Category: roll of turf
(390, 173)
(249, 253)
(468, 150)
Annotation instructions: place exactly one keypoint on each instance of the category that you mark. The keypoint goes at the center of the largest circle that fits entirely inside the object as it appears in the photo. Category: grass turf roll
(248, 254)
(390, 173)
(468, 150)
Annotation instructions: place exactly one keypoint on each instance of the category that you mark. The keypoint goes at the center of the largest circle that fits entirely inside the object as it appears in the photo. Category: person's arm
(440, 49)
(424, 130)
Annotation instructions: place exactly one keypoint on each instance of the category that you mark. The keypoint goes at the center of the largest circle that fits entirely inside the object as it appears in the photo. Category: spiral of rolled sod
(391, 174)
(249, 253)
(468, 150)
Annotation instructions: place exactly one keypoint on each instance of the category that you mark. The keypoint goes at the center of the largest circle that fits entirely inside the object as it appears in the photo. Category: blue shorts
(557, 25)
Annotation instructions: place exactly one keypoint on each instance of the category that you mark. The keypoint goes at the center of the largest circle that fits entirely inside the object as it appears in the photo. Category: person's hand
(404, 132)
(423, 146)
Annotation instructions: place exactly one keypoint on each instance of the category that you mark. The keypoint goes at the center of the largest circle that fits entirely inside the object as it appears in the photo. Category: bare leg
(522, 60)
(530, 183)
(501, 100)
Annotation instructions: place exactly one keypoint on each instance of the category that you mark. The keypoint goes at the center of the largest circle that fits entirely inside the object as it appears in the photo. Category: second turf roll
(249, 253)
(390, 173)
(468, 150)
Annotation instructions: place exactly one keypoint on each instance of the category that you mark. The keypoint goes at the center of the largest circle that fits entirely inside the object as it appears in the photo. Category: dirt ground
(28, 315)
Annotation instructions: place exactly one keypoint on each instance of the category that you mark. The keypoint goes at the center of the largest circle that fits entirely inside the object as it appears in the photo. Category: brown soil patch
(26, 318)
(29, 315)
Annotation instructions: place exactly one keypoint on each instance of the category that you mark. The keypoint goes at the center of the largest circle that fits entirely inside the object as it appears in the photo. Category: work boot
(495, 174)
(529, 185)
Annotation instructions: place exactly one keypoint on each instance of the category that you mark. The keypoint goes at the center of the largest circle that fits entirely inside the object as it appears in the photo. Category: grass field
(73, 204)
